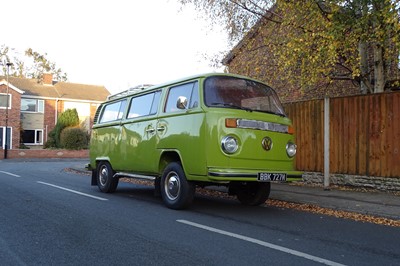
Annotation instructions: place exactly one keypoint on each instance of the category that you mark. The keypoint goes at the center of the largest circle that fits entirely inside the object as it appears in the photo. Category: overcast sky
(118, 44)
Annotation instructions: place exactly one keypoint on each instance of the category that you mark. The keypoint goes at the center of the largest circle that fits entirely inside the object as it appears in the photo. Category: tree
(41, 65)
(69, 118)
(32, 65)
(315, 42)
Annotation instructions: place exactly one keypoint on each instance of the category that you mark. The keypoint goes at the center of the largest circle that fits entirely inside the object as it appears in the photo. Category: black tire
(106, 181)
(253, 193)
(176, 192)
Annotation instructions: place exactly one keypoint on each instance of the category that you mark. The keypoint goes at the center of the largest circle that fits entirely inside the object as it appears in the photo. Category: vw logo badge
(267, 143)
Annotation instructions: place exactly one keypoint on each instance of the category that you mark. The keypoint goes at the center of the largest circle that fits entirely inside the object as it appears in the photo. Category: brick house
(251, 57)
(33, 107)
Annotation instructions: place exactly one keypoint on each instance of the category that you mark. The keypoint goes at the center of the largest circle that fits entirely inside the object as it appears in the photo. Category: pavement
(374, 203)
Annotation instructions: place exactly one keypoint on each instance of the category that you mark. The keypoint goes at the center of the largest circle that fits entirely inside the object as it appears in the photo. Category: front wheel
(105, 178)
(177, 193)
(253, 193)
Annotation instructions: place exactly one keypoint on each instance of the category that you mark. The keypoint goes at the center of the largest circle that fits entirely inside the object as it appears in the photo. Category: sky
(118, 44)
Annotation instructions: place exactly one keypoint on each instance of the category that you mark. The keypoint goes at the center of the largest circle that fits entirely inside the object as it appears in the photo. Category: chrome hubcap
(103, 176)
(172, 186)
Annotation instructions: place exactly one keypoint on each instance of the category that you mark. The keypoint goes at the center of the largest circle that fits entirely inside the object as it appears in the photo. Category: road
(54, 217)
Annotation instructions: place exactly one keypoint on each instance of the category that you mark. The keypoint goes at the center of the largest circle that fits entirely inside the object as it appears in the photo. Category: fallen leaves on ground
(79, 172)
(335, 213)
(296, 206)
(345, 188)
(283, 204)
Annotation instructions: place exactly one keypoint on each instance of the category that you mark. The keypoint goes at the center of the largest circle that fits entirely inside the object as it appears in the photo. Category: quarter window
(113, 111)
(188, 90)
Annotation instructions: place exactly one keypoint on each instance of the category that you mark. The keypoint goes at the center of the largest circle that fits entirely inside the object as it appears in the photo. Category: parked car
(206, 130)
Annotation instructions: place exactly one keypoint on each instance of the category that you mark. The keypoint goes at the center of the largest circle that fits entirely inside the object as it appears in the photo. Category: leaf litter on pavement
(287, 205)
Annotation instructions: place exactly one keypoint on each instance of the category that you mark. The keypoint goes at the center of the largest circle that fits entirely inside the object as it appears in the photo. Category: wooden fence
(364, 134)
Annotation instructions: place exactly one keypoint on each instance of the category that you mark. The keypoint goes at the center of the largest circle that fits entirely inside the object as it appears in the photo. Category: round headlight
(291, 149)
(229, 144)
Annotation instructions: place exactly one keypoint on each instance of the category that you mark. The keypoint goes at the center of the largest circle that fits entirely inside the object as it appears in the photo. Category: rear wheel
(253, 193)
(105, 178)
(176, 191)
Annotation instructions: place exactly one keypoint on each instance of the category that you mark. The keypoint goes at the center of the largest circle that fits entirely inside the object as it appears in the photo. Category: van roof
(147, 87)
(130, 91)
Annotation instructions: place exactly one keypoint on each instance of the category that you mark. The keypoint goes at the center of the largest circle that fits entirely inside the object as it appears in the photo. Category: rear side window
(144, 105)
(113, 111)
(188, 90)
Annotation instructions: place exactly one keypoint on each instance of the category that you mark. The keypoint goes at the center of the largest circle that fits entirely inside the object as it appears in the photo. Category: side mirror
(181, 103)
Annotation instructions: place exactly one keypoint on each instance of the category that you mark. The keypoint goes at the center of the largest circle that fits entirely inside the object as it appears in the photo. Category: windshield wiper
(270, 112)
(232, 106)
(246, 108)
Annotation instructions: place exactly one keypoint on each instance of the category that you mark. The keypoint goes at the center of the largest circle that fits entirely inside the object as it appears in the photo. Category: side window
(144, 105)
(113, 111)
(189, 90)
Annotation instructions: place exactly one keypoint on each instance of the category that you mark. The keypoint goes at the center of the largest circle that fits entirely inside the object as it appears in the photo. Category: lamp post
(8, 64)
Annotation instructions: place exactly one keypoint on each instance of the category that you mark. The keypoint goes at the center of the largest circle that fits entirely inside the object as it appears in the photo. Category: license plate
(265, 177)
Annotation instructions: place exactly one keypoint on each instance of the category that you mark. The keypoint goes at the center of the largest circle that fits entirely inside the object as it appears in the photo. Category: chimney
(48, 78)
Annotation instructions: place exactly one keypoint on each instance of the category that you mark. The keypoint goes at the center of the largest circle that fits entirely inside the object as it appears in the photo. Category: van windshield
(238, 93)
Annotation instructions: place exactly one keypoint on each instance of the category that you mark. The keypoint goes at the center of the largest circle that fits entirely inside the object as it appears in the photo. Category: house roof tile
(61, 90)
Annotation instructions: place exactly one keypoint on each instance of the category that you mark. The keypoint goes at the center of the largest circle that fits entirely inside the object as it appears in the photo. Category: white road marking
(262, 243)
(11, 174)
(70, 190)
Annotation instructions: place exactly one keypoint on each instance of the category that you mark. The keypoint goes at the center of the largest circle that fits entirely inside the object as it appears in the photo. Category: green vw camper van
(206, 130)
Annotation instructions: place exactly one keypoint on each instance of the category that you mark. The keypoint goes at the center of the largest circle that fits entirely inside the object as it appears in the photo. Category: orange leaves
(335, 213)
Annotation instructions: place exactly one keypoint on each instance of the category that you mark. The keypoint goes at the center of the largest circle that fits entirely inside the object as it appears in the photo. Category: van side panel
(184, 133)
(105, 142)
(138, 146)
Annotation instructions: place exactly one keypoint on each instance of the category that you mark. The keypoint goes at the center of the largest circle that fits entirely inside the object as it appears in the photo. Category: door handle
(150, 130)
(160, 128)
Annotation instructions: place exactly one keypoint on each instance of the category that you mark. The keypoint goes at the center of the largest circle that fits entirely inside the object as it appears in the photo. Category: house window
(83, 109)
(32, 105)
(3, 101)
(33, 137)
(3, 137)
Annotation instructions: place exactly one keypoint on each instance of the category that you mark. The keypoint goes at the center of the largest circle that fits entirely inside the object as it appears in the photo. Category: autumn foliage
(312, 46)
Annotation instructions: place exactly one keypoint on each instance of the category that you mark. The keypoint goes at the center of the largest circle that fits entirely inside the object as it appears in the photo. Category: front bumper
(245, 175)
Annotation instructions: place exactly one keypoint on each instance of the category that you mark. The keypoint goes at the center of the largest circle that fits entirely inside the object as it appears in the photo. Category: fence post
(326, 143)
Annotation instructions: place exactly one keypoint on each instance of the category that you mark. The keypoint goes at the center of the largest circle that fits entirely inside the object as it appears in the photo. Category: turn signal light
(231, 122)
(290, 130)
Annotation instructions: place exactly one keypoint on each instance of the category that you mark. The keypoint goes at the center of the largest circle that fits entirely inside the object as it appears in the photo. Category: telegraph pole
(7, 101)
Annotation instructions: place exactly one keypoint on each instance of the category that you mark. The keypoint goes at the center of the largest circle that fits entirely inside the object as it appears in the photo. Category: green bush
(50, 143)
(69, 118)
(74, 138)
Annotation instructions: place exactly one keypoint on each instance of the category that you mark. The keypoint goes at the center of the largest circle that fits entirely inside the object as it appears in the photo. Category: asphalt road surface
(49, 216)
